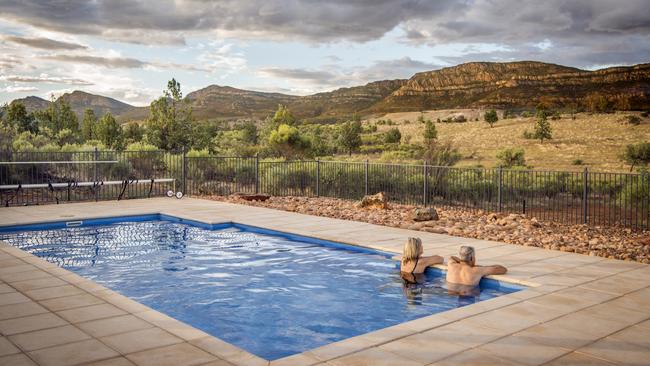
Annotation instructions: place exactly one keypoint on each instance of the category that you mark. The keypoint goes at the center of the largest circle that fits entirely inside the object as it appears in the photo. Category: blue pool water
(272, 295)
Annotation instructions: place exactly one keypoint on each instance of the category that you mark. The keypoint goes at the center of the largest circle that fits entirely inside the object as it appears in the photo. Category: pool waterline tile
(144, 206)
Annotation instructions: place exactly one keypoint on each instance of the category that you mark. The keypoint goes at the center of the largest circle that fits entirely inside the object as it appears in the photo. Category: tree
(430, 132)
(350, 136)
(637, 154)
(442, 154)
(288, 142)
(511, 157)
(393, 136)
(282, 116)
(109, 132)
(542, 128)
(16, 114)
(88, 125)
(170, 119)
(133, 132)
(491, 117)
(249, 132)
(58, 116)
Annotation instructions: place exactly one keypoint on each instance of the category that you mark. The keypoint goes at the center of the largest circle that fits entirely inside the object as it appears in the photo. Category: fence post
(500, 192)
(426, 185)
(585, 195)
(317, 177)
(366, 171)
(184, 169)
(95, 158)
(257, 173)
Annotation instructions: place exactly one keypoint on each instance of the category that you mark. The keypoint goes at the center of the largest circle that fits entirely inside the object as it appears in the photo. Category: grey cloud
(44, 43)
(572, 26)
(311, 76)
(44, 79)
(111, 62)
(336, 76)
(305, 19)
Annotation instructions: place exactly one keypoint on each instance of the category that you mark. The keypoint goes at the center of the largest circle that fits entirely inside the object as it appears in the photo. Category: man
(463, 271)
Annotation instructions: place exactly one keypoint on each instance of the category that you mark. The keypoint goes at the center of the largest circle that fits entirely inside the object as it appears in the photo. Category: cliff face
(517, 85)
(514, 85)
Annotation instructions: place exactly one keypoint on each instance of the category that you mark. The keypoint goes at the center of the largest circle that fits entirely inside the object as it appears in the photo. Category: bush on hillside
(393, 136)
(509, 158)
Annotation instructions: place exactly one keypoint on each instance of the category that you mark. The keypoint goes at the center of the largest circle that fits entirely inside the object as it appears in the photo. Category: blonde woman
(413, 263)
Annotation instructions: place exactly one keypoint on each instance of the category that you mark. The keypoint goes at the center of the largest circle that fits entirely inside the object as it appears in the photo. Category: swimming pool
(272, 294)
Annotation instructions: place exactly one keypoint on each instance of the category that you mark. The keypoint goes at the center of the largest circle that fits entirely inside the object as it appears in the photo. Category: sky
(128, 49)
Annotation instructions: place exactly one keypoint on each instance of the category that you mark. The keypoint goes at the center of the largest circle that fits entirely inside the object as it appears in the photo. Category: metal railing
(593, 198)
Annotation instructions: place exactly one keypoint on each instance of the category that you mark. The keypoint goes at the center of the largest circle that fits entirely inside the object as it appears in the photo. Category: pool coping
(552, 274)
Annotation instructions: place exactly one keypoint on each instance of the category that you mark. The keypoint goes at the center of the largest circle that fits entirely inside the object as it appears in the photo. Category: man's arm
(493, 270)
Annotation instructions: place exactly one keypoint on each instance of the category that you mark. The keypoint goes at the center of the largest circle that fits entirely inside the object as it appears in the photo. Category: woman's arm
(432, 260)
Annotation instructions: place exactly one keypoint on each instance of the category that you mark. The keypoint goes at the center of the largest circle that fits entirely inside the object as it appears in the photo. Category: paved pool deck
(578, 310)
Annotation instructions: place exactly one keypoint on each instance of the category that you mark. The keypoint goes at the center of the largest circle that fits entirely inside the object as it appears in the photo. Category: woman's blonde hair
(412, 249)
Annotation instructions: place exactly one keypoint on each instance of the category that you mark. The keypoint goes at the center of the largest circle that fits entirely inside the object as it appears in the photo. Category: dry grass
(597, 139)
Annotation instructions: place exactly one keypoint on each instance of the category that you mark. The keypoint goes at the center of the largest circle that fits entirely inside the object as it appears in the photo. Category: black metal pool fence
(595, 198)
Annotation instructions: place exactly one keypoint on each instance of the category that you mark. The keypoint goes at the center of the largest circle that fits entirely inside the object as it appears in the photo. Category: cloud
(43, 78)
(110, 62)
(18, 89)
(334, 76)
(310, 76)
(169, 19)
(578, 32)
(601, 27)
(44, 43)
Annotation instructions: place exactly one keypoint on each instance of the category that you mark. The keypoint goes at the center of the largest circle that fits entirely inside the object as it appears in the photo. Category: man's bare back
(464, 271)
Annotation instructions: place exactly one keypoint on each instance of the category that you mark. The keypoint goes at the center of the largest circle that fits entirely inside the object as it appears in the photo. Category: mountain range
(511, 85)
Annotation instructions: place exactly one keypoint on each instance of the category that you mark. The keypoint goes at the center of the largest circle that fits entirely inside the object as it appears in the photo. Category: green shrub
(509, 158)
(393, 136)
(637, 154)
(578, 162)
(490, 117)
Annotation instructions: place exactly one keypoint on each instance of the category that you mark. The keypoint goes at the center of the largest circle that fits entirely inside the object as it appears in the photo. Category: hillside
(596, 139)
(33, 103)
(345, 101)
(224, 101)
(511, 85)
(517, 85)
(80, 101)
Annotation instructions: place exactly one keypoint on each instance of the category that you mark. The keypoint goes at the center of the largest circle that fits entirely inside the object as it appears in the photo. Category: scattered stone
(425, 214)
(252, 197)
(378, 201)
(607, 242)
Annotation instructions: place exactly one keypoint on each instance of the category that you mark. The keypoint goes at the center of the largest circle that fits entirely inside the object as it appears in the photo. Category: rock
(425, 214)
(252, 197)
(378, 201)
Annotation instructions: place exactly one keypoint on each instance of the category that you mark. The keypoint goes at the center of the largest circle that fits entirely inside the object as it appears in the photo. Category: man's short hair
(467, 254)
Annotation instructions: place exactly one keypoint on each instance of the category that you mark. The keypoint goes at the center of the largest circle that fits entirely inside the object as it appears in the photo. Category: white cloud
(18, 89)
